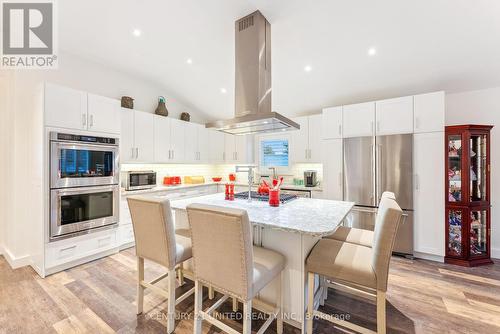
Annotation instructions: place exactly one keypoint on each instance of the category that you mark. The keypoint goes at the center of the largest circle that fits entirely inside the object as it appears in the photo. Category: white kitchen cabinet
(394, 116)
(65, 107)
(217, 147)
(428, 166)
(191, 143)
(144, 136)
(203, 144)
(137, 137)
(429, 111)
(358, 120)
(177, 144)
(305, 142)
(332, 169)
(162, 149)
(236, 151)
(103, 113)
(331, 125)
(314, 134)
(127, 147)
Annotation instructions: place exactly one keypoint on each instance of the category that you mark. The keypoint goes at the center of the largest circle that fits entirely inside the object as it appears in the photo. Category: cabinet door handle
(340, 130)
(137, 153)
(132, 155)
(84, 120)
(169, 154)
(305, 153)
(236, 154)
(91, 120)
(173, 154)
(417, 182)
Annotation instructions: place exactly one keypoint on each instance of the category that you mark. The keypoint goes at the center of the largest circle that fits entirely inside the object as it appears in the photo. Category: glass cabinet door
(454, 168)
(455, 225)
(478, 167)
(478, 232)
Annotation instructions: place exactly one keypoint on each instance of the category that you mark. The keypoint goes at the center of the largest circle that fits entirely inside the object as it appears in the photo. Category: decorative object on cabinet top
(127, 102)
(185, 117)
(162, 108)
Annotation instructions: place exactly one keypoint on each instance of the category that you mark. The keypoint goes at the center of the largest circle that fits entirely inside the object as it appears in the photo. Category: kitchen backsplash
(208, 171)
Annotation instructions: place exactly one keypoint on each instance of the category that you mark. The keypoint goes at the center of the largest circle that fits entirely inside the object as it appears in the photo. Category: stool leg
(171, 301)
(247, 317)
(211, 293)
(310, 303)
(279, 320)
(381, 317)
(235, 305)
(180, 274)
(140, 288)
(198, 300)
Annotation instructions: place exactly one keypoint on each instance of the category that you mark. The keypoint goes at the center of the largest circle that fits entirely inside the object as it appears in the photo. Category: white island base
(292, 230)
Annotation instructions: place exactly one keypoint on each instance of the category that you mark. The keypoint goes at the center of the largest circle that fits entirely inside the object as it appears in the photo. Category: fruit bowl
(217, 179)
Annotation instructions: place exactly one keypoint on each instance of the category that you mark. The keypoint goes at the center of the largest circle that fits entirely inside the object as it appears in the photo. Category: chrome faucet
(249, 170)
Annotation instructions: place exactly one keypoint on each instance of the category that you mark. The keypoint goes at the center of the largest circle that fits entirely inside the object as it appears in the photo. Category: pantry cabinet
(78, 110)
(332, 166)
(358, 120)
(305, 143)
(427, 194)
(394, 116)
(137, 136)
(429, 112)
(331, 125)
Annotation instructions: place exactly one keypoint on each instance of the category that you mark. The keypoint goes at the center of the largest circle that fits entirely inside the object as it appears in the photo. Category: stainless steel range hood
(253, 112)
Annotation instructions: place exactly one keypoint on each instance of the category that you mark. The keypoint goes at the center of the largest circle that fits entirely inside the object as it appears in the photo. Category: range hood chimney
(253, 112)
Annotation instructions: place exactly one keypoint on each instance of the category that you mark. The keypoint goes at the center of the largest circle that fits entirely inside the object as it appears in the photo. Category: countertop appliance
(139, 180)
(253, 113)
(373, 165)
(310, 178)
(84, 189)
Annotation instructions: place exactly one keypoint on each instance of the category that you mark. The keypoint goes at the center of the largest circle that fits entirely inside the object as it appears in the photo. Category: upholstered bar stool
(361, 270)
(155, 240)
(225, 259)
(356, 235)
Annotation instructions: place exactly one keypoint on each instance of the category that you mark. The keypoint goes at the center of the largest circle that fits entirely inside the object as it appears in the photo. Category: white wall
(482, 107)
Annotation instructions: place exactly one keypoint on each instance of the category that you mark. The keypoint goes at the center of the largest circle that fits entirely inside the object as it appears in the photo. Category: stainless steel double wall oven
(84, 184)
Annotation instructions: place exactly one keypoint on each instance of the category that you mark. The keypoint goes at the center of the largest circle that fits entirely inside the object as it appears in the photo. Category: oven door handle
(87, 190)
(78, 145)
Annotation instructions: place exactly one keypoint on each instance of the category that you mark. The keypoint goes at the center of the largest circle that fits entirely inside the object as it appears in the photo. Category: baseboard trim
(430, 257)
(15, 262)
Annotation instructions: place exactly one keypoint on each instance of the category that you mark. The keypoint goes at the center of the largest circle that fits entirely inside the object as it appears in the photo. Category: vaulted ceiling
(420, 46)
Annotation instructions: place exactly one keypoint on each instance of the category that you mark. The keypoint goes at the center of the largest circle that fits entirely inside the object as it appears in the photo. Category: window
(274, 152)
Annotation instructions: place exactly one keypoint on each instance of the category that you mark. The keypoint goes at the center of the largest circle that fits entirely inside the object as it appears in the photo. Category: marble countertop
(316, 217)
(166, 188)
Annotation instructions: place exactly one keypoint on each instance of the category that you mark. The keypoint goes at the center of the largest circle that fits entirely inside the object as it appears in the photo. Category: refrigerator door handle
(378, 180)
(372, 197)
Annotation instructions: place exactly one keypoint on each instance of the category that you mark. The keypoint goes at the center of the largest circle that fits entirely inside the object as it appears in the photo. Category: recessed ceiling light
(223, 90)
(308, 68)
(372, 51)
(137, 32)
(189, 61)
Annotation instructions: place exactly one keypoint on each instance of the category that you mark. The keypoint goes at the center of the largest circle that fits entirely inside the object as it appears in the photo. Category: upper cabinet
(331, 126)
(236, 150)
(429, 112)
(358, 120)
(305, 142)
(217, 147)
(65, 107)
(137, 139)
(168, 140)
(103, 114)
(74, 109)
(394, 116)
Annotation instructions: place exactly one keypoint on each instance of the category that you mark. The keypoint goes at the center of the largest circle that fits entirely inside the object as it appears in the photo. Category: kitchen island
(292, 229)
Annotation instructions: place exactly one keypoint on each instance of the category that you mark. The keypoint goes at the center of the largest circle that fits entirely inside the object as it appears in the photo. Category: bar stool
(156, 241)
(357, 236)
(359, 269)
(224, 258)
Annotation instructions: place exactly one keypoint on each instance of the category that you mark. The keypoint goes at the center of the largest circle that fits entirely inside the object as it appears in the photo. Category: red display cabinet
(467, 195)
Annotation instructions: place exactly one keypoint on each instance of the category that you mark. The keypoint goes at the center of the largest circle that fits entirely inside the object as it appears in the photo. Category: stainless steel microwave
(139, 180)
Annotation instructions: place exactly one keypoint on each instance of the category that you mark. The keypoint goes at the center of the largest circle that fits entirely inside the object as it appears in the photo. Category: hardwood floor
(99, 297)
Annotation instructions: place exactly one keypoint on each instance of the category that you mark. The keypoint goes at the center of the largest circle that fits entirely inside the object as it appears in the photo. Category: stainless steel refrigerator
(373, 165)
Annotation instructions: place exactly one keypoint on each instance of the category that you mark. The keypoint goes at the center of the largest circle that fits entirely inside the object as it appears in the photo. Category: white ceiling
(422, 45)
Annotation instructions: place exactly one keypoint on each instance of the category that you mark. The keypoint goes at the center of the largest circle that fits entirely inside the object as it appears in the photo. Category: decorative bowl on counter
(217, 179)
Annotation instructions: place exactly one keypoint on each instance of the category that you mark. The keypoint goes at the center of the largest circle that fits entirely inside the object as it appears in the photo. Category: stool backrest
(222, 248)
(386, 226)
(154, 230)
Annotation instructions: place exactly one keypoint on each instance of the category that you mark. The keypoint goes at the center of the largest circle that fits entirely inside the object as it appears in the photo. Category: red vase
(274, 197)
